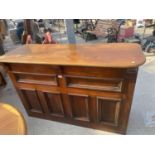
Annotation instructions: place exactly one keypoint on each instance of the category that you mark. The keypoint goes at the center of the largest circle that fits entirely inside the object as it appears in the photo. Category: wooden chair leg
(86, 39)
(2, 80)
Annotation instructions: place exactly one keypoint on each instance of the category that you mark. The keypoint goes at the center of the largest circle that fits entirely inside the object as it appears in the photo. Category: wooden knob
(60, 76)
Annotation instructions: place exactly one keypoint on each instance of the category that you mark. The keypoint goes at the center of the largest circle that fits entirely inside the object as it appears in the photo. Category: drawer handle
(60, 76)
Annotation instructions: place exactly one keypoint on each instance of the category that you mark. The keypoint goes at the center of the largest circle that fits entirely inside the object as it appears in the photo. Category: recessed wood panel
(79, 106)
(30, 68)
(93, 83)
(36, 79)
(31, 100)
(54, 102)
(108, 111)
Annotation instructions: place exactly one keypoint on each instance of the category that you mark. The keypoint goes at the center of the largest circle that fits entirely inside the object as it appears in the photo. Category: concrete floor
(143, 102)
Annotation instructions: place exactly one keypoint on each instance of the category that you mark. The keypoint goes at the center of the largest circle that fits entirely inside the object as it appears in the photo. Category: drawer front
(36, 69)
(40, 79)
(97, 79)
(35, 74)
(95, 83)
(94, 72)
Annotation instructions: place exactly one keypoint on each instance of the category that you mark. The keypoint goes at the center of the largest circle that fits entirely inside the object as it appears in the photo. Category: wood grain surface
(115, 55)
(11, 121)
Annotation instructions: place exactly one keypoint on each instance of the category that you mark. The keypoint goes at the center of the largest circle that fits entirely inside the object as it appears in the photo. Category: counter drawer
(94, 72)
(31, 78)
(95, 83)
(36, 69)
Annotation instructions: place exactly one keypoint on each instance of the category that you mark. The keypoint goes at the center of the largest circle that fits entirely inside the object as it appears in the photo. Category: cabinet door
(79, 107)
(30, 100)
(52, 103)
(108, 111)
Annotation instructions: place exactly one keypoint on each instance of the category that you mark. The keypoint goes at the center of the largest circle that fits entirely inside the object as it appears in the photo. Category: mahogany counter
(85, 85)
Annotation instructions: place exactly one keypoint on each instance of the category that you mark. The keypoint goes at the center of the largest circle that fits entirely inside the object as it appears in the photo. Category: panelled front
(31, 100)
(108, 111)
(79, 107)
(80, 94)
(38, 88)
(53, 102)
(99, 92)
(41, 101)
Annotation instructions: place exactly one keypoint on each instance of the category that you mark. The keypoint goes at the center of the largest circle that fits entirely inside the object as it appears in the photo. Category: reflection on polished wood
(85, 85)
(102, 55)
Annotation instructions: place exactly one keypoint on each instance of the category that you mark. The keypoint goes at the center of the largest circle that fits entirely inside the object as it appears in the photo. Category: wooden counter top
(116, 55)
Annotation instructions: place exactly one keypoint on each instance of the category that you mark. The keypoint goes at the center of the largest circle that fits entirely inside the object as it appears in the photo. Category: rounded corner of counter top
(143, 60)
(38, 55)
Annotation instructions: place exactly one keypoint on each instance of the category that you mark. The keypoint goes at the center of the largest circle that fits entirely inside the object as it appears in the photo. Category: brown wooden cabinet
(90, 94)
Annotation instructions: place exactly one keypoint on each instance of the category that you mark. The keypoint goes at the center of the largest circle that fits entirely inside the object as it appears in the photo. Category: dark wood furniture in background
(85, 85)
(2, 81)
